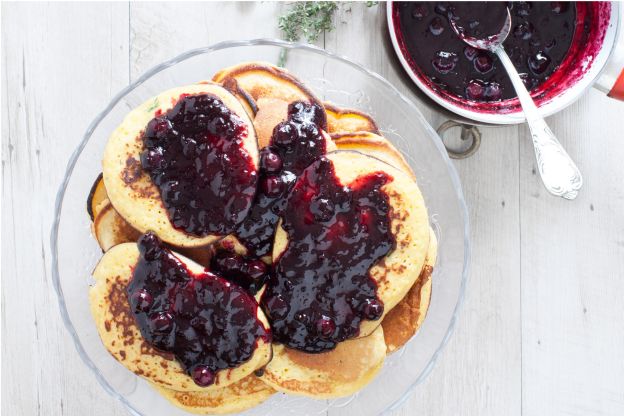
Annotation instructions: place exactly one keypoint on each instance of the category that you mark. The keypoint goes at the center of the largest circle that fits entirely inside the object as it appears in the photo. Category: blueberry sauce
(541, 35)
(208, 323)
(295, 143)
(195, 154)
(321, 288)
(247, 272)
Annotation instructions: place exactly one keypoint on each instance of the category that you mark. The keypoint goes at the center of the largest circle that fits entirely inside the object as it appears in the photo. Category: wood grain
(541, 330)
(52, 54)
(573, 270)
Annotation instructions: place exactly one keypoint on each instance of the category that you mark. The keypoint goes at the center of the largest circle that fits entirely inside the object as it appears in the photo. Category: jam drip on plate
(195, 154)
(295, 144)
(541, 35)
(321, 288)
(208, 323)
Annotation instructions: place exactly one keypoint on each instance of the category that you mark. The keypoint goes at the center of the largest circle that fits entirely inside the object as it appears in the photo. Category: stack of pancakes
(124, 203)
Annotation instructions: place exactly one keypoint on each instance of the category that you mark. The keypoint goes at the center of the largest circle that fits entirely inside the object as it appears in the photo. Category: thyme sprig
(307, 19)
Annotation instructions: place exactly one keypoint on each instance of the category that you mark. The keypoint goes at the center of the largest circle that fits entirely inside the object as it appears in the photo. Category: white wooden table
(542, 328)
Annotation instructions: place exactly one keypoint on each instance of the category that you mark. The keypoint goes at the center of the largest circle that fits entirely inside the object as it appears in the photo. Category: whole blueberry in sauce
(247, 272)
(207, 322)
(541, 35)
(321, 288)
(195, 155)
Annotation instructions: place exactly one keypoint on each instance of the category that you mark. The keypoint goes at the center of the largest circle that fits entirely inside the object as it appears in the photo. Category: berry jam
(295, 143)
(247, 272)
(195, 154)
(321, 288)
(208, 323)
(541, 35)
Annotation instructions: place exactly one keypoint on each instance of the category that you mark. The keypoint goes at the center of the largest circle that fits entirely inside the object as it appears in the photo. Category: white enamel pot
(599, 63)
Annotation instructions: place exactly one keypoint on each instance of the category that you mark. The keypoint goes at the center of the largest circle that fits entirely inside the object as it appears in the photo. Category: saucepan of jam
(559, 49)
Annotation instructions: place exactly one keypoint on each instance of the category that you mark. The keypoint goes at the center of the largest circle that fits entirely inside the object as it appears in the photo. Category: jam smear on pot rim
(541, 36)
(295, 144)
(195, 155)
(321, 288)
(207, 322)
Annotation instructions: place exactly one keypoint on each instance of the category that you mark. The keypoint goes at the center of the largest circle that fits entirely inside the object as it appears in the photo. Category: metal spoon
(560, 175)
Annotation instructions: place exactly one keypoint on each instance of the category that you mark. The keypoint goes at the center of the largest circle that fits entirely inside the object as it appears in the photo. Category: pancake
(122, 338)
(347, 120)
(271, 112)
(97, 194)
(396, 273)
(111, 229)
(237, 397)
(336, 373)
(200, 255)
(256, 80)
(130, 188)
(266, 91)
(402, 322)
(374, 145)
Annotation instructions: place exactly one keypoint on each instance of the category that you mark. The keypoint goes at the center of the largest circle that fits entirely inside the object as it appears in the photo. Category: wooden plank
(573, 270)
(61, 65)
(160, 33)
(479, 372)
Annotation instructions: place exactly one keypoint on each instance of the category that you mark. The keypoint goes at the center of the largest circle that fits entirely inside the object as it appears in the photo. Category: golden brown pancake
(237, 397)
(267, 91)
(348, 120)
(122, 338)
(396, 273)
(200, 255)
(336, 373)
(402, 322)
(374, 145)
(111, 229)
(96, 196)
(263, 80)
(271, 112)
(130, 189)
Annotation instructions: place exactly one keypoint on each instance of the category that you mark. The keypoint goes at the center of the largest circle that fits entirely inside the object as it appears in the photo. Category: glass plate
(334, 78)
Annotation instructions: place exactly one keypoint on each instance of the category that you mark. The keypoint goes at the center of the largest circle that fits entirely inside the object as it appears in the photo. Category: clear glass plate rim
(215, 47)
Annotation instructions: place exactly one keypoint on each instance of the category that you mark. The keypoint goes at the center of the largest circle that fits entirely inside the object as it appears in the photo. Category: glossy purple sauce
(321, 288)
(208, 323)
(248, 272)
(540, 38)
(195, 154)
(295, 144)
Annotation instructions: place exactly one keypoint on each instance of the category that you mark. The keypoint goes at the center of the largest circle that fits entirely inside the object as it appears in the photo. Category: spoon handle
(559, 173)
